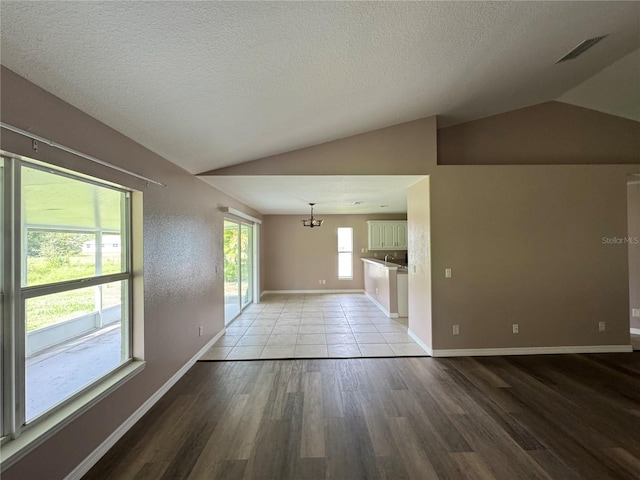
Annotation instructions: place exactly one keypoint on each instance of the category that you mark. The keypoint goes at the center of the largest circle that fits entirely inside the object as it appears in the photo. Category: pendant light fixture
(311, 222)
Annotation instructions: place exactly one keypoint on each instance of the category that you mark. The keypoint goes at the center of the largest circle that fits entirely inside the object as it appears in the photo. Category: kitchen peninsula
(385, 283)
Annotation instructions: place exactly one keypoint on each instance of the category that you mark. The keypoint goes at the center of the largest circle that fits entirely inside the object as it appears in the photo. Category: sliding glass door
(238, 268)
(246, 264)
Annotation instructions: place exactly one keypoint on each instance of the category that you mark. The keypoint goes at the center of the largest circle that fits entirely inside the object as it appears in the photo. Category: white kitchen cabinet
(387, 234)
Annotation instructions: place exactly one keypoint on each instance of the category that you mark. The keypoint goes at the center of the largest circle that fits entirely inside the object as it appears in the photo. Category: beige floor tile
(284, 329)
(281, 340)
(311, 321)
(278, 351)
(311, 339)
(242, 322)
(258, 330)
(368, 328)
(264, 322)
(390, 328)
(359, 321)
(245, 353)
(227, 341)
(340, 338)
(343, 351)
(311, 329)
(236, 331)
(249, 340)
(406, 349)
(311, 351)
(397, 338)
(376, 350)
(335, 321)
(337, 329)
(216, 353)
(288, 321)
(369, 338)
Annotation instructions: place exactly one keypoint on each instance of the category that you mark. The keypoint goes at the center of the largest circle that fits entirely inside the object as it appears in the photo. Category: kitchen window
(345, 253)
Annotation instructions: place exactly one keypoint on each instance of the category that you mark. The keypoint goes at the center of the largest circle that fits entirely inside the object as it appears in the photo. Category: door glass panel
(231, 271)
(246, 264)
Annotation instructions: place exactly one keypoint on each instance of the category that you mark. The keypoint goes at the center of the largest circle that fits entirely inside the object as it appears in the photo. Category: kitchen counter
(388, 265)
(382, 286)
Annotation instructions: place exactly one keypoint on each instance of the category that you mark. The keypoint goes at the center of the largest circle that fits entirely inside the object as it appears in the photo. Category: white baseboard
(635, 331)
(482, 352)
(286, 292)
(380, 306)
(423, 345)
(93, 458)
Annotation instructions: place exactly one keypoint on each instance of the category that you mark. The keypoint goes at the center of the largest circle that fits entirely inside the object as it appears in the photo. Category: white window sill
(32, 437)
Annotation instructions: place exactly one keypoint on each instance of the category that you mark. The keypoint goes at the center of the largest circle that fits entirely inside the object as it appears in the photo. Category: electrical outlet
(376, 290)
(635, 312)
(456, 329)
(200, 331)
(324, 282)
(516, 328)
(447, 273)
(413, 268)
(602, 326)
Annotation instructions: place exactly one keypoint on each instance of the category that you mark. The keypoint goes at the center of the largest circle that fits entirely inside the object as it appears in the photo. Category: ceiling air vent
(580, 49)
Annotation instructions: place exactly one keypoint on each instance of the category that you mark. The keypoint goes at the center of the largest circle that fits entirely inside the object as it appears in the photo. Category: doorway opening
(239, 267)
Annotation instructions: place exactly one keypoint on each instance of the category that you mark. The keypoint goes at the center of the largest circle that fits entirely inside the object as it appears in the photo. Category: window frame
(343, 252)
(13, 424)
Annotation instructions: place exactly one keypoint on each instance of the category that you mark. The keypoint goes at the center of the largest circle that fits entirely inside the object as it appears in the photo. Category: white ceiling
(614, 90)
(332, 194)
(211, 84)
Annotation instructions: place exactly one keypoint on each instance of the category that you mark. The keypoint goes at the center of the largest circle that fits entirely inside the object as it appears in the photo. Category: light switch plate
(635, 312)
(447, 273)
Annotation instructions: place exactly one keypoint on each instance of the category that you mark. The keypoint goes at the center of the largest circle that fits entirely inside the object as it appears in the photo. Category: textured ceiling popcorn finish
(212, 84)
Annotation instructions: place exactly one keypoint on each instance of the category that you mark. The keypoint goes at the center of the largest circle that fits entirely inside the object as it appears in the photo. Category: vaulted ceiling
(212, 84)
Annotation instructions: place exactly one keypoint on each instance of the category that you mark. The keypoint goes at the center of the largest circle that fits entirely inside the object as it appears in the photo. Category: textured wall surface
(545, 134)
(419, 271)
(182, 260)
(525, 245)
(633, 214)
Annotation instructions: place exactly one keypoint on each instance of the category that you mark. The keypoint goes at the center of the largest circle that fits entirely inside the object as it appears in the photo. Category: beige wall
(296, 257)
(525, 246)
(419, 271)
(549, 133)
(182, 247)
(633, 215)
(404, 149)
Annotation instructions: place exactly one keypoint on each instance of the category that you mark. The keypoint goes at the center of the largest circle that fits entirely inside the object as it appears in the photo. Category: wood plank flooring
(527, 417)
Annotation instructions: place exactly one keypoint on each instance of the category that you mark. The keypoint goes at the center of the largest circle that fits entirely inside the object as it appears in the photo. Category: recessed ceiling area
(333, 194)
(213, 84)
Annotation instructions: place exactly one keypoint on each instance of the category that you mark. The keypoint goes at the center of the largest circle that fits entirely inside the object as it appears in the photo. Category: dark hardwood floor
(528, 417)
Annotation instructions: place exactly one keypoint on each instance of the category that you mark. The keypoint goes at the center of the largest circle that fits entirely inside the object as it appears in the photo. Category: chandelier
(311, 222)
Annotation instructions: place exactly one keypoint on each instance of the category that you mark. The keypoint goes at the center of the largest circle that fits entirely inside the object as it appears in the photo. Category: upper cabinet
(387, 234)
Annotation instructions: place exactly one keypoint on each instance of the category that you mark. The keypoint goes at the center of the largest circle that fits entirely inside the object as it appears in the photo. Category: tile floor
(314, 326)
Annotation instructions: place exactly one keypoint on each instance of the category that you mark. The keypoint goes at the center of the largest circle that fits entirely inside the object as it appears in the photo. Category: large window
(67, 313)
(345, 253)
